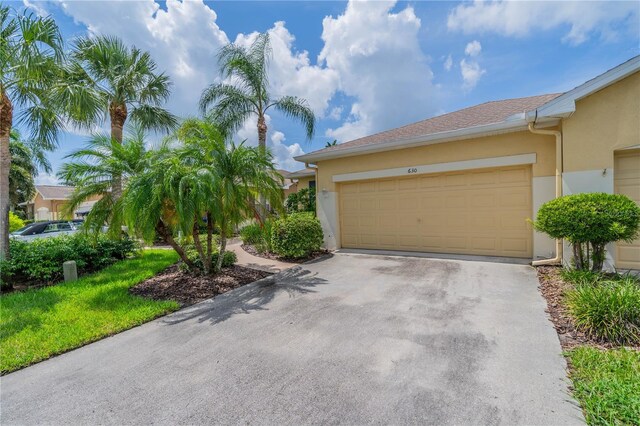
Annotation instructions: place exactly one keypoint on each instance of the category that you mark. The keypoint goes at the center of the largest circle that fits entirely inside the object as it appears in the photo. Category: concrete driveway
(352, 339)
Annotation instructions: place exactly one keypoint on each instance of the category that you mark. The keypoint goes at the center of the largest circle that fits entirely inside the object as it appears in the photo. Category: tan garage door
(627, 182)
(479, 212)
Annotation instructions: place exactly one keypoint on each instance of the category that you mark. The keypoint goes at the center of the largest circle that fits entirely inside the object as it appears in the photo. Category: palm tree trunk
(262, 145)
(196, 242)
(223, 246)
(164, 232)
(118, 115)
(207, 264)
(6, 120)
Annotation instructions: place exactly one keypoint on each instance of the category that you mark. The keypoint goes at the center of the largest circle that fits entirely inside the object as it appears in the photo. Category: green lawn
(607, 384)
(39, 323)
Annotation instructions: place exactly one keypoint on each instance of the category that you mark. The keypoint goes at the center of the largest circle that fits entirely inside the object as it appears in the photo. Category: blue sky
(365, 66)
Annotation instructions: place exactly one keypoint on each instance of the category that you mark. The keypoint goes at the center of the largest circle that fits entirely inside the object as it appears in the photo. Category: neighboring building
(49, 202)
(305, 178)
(466, 182)
(289, 186)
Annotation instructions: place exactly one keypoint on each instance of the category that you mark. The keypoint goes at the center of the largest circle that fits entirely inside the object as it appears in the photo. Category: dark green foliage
(607, 309)
(40, 261)
(258, 235)
(589, 222)
(296, 236)
(302, 201)
(228, 259)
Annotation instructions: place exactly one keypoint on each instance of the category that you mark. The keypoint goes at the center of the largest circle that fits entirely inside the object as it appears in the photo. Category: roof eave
(565, 105)
(431, 139)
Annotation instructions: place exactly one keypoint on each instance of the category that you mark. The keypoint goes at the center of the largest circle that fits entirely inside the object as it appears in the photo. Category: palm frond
(298, 109)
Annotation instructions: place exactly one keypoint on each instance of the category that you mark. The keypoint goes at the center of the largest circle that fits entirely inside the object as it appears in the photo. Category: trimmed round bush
(296, 236)
(608, 310)
(589, 222)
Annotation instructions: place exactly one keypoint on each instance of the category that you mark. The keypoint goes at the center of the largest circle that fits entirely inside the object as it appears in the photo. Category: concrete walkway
(254, 262)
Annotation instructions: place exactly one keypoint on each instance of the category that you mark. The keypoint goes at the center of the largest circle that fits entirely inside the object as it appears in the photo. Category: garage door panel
(627, 182)
(476, 212)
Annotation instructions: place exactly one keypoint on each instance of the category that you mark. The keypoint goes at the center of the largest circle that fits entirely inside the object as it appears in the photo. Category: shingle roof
(55, 192)
(478, 115)
(302, 173)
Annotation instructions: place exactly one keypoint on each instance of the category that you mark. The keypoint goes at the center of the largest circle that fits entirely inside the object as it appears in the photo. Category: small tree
(589, 222)
(301, 201)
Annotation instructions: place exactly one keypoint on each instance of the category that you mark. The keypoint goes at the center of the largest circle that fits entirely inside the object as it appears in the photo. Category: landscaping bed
(251, 249)
(187, 288)
(605, 375)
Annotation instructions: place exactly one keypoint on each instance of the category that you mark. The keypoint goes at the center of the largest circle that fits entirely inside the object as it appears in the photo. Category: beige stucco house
(466, 182)
(50, 200)
(305, 178)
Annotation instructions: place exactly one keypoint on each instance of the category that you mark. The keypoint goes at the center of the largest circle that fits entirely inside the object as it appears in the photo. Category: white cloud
(336, 113)
(291, 72)
(521, 18)
(378, 58)
(469, 67)
(283, 154)
(36, 7)
(183, 39)
(448, 63)
(473, 48)
(471, 73)
(47, 179)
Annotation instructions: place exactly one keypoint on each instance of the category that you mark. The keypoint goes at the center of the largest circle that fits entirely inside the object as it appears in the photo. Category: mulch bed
(272, 256)
(553, 287)
(187, 288)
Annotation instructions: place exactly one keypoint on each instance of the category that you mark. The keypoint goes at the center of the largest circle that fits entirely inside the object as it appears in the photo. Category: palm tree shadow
(251, 297)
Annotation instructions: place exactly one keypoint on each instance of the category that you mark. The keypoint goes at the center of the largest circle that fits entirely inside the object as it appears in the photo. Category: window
(312, 184)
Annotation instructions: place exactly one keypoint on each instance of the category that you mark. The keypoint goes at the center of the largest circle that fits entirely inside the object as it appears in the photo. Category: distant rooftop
(55, 192)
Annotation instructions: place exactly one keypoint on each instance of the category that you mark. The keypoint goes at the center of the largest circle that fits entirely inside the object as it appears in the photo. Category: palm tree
(30, 52)
(25, 159)
(194, 177)
(330, 144)
(247, 92)
(107, 78)
(92, 171)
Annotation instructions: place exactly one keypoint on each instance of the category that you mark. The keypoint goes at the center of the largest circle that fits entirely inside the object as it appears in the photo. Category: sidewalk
(250, 261)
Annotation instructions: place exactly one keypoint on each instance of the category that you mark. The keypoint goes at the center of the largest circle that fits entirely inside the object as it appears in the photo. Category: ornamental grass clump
(608, 309)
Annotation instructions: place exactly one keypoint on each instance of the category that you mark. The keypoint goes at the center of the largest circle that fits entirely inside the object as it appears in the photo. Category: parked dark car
(50, 228)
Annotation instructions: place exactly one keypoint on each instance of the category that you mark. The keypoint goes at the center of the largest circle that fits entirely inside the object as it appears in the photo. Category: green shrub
(15, 222)
(608, 310)
(296, 236)
(40, 260)
(301, 201)
(258, 235)
(228, 259)
(589, 222)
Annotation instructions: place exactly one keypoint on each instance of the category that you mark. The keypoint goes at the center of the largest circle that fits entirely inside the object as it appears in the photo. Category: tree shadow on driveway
(248, 298)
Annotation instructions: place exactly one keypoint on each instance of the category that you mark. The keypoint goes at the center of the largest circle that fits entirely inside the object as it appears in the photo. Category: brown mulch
(553, 287)
(187, 288)
(272, 256)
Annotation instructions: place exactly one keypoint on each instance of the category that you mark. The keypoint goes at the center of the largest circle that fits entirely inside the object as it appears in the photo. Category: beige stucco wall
(471, 149)
(602, 123)
(304, 182)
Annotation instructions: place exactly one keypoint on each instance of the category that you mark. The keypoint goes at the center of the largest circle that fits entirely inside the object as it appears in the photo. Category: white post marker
(70, 270)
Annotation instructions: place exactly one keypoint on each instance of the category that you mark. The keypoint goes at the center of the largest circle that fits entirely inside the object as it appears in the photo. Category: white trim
(565, 104)
(510, 160)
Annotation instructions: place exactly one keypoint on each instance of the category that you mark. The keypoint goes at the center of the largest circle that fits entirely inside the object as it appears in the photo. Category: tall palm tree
(247, 94)
(26, 157)
(106, 78)
(92, 171)
(30, 53)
